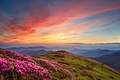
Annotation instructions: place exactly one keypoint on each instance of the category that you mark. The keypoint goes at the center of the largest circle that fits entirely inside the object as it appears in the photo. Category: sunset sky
(59, 21)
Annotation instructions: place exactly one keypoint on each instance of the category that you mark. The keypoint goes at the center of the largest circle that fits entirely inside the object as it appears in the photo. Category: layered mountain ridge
(112, 60)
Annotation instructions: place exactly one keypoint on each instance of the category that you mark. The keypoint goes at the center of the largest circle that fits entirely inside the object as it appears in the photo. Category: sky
(59, 21)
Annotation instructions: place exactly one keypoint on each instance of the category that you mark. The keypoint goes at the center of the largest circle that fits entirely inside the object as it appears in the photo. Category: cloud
(38, 17)
(81, 8)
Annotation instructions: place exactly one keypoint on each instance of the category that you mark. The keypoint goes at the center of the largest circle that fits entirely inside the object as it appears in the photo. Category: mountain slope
(92, 53)
(111, 60)
(85, 69)
(53, 66)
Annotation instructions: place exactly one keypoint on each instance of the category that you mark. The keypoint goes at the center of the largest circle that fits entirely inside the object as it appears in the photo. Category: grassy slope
(79, 67)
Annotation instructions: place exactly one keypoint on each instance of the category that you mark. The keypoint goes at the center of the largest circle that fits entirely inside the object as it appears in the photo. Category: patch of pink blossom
(27, 65)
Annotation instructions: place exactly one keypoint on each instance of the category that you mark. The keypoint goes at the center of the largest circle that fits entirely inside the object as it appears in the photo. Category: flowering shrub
(23, 68)
(46, 64)
(19, 64)
(4, 66)
(15, 55)
(51, 65)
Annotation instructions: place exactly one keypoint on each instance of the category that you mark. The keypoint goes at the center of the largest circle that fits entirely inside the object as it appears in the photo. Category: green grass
(84, 69)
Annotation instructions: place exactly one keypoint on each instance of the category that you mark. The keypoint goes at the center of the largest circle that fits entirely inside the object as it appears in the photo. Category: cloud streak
(29, 20)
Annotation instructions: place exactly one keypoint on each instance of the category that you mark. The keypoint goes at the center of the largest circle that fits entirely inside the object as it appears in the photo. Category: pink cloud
(39, 18)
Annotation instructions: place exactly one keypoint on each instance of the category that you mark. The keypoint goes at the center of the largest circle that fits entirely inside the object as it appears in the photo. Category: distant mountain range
(27, 48)
(31, 51)
(92, 53)
(35, 53)
(39, 50)
(112, 60)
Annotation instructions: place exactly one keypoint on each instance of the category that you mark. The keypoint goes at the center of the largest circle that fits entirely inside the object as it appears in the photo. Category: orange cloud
(40, 18)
